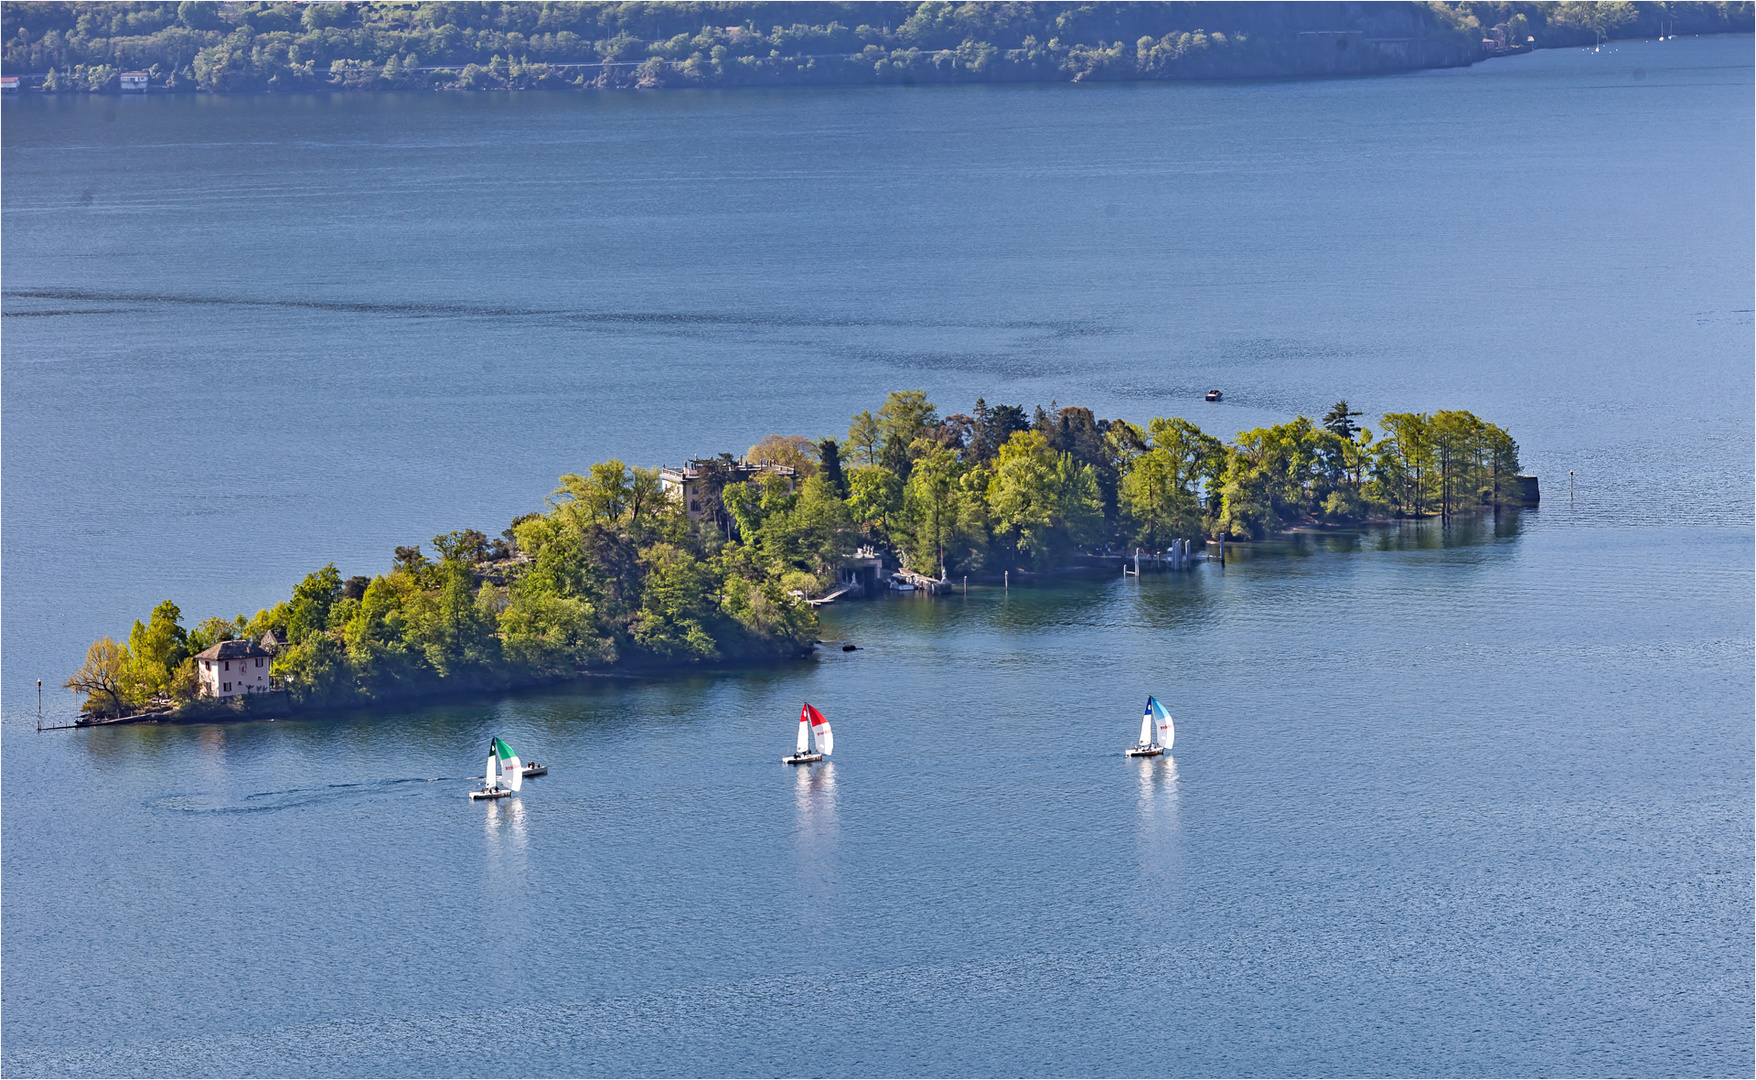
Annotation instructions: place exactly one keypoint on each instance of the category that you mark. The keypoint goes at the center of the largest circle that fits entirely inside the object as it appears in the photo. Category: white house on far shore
(232, 668)
(135, 82)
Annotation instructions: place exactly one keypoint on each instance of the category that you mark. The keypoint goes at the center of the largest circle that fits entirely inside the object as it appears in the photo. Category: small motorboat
(503, 765)
(1215, 395)
(1156, 731)
(535, 768)
(811, 722)
(902, 586)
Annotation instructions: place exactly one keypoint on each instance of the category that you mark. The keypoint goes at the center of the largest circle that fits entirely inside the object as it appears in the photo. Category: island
(719, 561)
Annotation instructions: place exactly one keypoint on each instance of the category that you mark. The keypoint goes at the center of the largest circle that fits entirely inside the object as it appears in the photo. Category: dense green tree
(553, 637)
(460, 637)
(1043, 503)
(990, 428)
(906, 416)
(864, 438)
(317, 671)
(932, 517)
(670, 622)
(1160, 507)
(1405, 463)
(829, 453)
(1340, 419)
(308, 612)
(874, 499)
(155, 650)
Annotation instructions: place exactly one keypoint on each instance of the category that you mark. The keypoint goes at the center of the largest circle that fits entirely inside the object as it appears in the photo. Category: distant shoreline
(620, 76)
(231, 48)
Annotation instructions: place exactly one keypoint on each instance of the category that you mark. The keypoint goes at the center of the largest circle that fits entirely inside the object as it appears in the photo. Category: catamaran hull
(535, 770)
(490, 793)
(1145, 751)
(801, 759)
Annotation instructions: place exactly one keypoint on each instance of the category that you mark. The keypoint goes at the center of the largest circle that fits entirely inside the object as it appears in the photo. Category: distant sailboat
(505, 774)
(811, 723)
(1156, 731)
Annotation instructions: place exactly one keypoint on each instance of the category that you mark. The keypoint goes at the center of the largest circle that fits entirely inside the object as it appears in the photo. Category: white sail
(511, 769)
(1146, 729)
(488, 781)
(804, 733)
(819, 728)
(1167, 731)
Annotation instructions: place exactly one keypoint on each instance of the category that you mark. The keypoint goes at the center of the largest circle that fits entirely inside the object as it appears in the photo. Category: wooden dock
(836, 593)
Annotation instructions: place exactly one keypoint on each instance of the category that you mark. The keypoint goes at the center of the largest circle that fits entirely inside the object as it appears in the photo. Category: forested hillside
(199, 45)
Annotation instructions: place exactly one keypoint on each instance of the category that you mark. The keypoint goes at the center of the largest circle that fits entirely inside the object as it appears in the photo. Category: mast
(1167, 731)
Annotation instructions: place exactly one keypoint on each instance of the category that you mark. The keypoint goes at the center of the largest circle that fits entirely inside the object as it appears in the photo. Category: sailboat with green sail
(505, 774)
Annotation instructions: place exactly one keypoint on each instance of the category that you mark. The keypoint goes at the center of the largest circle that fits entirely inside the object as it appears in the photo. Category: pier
(923, 583)
(1181, 555)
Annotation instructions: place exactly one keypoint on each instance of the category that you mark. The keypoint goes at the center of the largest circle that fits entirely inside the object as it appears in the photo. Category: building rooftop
(232, 650)
(691, 471)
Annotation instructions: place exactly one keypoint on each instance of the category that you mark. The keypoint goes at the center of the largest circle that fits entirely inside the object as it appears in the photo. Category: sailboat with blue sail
(1156, 731)
(505, 773)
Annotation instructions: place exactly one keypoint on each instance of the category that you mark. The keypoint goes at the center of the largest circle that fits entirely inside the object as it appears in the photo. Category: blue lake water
(1461, 802)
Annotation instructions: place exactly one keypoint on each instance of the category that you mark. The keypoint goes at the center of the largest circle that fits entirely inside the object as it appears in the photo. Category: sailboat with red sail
(812, 726)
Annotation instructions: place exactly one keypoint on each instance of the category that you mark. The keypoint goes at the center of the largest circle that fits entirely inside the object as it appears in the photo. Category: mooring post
(39, 704)
(1007, 583)
(1569, 485)
(966, 584)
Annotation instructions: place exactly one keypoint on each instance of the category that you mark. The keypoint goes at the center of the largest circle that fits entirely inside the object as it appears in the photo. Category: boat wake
(208, 802)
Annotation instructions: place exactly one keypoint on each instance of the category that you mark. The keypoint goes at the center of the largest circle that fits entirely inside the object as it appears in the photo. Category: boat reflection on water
(814, 799)
(1156, 802)
(818, 823)
(504, 824)
(817, 834)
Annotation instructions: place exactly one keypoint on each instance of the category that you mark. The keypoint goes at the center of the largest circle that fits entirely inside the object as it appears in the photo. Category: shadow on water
(671, 700)
(1425, 534)
(441, 736)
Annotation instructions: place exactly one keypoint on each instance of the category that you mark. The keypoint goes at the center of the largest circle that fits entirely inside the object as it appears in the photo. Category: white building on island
(232, 668)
